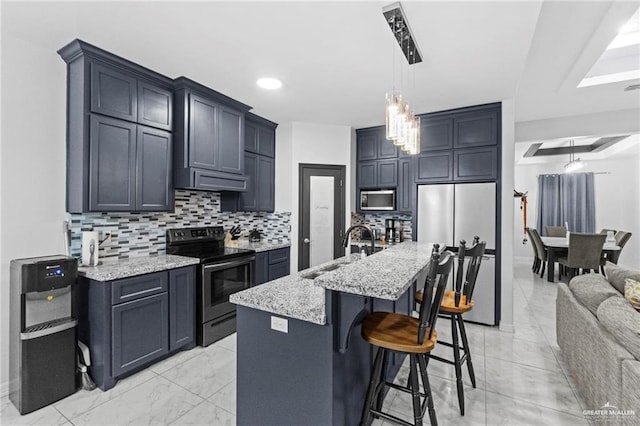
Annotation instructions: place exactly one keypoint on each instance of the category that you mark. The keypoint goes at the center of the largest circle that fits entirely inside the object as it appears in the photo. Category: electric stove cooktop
(204, 243)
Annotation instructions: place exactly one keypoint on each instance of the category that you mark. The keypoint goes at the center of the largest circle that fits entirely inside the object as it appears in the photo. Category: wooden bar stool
(454, 304)
(413, 336)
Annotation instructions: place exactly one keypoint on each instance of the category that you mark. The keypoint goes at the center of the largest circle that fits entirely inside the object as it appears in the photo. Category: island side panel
(283, 378)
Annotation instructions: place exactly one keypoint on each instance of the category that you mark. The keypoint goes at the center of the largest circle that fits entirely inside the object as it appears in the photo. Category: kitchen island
(301, 358)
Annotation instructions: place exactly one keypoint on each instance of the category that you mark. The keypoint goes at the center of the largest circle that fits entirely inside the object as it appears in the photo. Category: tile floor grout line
(534, 403)
(65, 417)
(110, 399)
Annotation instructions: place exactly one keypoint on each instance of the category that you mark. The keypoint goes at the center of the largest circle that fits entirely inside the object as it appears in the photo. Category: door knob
(306, 241)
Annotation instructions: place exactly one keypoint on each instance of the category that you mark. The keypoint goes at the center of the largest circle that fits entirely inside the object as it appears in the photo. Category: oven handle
(227, 265)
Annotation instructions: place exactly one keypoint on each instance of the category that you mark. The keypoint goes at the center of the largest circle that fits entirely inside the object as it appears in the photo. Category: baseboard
(507, 328)
(4, 389)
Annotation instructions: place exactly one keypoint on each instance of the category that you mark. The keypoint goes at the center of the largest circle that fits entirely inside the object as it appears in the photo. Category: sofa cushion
(632, 292)
(617, 274)
(591, 290)
(623, 322)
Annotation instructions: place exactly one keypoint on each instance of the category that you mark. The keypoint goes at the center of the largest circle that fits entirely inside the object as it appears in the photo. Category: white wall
(298, 143)
(617, 197)
(506, 225)
(33, 164)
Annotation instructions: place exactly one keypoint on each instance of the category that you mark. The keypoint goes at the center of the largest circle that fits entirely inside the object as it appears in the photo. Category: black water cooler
(42, 324)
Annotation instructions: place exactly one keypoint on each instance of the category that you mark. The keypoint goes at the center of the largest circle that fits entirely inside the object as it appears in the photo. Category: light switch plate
(280, 324)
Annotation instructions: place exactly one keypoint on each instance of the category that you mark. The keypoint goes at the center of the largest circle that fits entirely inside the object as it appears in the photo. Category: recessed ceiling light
(269, 83)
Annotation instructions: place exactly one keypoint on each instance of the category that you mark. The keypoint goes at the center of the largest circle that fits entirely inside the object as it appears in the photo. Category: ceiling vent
(632, 87)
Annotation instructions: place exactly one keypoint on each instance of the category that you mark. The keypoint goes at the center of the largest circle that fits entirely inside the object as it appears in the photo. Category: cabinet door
(367, 146)
(140, 332)
(436, 133)
(368, 174)
(231, 141)
(261, 269)
(475, 129)
(265, 185)
(386, 148)
(113, 163)
(475, 164)
(248, 199)
(203, 133)
(267, 141)
(250, 137)
(405, 185)
(154, 106)
(434, 167)
(113, 93)
(154, 183)
(182, 316)
(387, 173)
(278, 270)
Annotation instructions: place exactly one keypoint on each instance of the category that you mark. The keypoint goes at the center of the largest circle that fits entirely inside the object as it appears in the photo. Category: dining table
(559, 245)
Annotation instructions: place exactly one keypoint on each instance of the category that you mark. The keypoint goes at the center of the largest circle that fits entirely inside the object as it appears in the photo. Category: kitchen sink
(315, 274)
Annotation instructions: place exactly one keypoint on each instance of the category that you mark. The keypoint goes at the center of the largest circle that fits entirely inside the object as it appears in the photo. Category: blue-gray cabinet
(406, 185)
(271, 265)
(279, 263)
(209, 139)
(133, 322)
(181, 307)
(436, 133)
(130, 166)
(140, 332)
(476, 128)
(259, 167)
(434, 167)
(387, 173)
(475, 164)
(119, 142)
(261, 269)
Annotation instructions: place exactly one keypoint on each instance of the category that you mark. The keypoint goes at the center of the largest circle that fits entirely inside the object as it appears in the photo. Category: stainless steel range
(222, 272)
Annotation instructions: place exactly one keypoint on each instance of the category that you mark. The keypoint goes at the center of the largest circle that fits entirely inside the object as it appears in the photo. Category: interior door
(321, 221)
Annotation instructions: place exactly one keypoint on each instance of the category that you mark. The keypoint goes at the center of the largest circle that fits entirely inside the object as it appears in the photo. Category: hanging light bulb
(392, 112)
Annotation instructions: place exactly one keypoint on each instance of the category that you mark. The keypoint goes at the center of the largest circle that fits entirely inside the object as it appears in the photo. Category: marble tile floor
(521, 380)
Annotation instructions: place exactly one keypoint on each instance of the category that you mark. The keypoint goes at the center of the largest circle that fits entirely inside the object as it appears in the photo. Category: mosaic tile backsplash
(143, 234)
(376, 221)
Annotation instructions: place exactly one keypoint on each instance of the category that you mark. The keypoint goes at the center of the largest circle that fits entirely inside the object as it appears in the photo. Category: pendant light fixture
(402, 125)
(574, 163)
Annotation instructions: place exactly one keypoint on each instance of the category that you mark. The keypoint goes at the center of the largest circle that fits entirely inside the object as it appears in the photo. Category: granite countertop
(123, 268)
(262, 245)
(292, 296)
(385, 275)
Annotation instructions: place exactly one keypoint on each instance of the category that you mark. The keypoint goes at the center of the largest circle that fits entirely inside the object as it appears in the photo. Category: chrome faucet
(345, 239)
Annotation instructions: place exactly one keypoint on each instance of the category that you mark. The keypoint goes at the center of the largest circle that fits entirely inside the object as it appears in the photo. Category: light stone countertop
(124, 268)
(385, 275)
(262, 245)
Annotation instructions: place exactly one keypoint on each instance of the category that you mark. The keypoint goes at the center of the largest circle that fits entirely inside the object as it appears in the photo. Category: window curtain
(567, 198)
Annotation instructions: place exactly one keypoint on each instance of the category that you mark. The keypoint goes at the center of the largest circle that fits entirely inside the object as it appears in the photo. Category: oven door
(219, 281)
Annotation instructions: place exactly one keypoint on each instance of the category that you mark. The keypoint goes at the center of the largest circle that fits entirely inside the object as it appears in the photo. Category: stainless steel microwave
(378, 199)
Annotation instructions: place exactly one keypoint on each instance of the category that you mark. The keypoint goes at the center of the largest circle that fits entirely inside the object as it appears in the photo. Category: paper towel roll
(90, 243)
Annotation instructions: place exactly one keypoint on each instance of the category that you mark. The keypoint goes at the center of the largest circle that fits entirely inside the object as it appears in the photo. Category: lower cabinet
(271, 265)
(133, 322)
(139, 332)
(262, 268)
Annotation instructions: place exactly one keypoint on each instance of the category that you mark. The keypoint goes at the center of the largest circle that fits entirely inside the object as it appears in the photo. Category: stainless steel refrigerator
(454, 212)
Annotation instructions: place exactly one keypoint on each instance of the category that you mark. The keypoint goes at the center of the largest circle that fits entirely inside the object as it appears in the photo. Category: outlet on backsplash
(143, 234)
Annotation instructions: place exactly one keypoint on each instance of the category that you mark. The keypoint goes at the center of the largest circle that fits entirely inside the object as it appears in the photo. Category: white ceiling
(335, 58)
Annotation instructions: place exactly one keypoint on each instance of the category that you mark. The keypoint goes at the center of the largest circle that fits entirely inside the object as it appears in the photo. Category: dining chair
(542, 252)
(555, 231)
(622, 238)
(536, 260)
(585, 252)
(606, 231)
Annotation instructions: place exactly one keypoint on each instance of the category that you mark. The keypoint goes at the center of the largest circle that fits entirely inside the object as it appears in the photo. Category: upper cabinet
(119, 141)
(259, 166)
(436, 134)
(209, 139)
(373, 145)
(476, 128)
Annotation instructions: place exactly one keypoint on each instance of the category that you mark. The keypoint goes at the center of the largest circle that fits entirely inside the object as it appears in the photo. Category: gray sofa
(598, 333)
